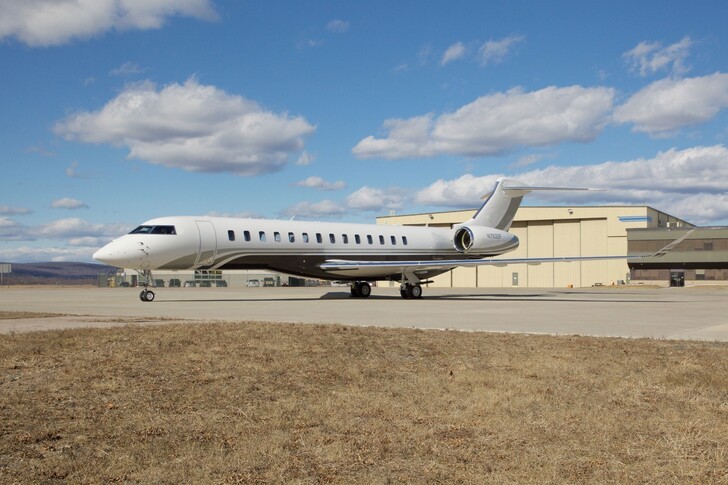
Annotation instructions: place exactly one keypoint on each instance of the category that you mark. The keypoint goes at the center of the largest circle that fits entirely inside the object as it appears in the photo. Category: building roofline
(414, 214)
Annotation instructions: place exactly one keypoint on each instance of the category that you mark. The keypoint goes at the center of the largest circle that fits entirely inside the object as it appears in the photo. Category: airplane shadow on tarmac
(340, 295)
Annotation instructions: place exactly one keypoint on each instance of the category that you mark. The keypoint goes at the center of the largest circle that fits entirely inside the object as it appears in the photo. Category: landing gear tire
(361, 289)
(411, 291)
(146, 295)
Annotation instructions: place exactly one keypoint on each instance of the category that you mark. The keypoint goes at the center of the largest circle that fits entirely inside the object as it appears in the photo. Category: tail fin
(502, 203)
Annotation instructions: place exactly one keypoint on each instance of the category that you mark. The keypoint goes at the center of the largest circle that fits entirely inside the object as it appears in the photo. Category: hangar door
(208, 243)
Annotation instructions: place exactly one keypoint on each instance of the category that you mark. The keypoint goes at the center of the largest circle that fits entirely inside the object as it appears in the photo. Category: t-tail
(502, 203)
(494, 218)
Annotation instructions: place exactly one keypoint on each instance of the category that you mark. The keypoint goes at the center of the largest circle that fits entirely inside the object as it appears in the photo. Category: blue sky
(118, 111)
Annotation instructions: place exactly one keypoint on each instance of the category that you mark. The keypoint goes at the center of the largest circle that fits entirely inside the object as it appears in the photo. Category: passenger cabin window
(246, 236)
(369, 239)
(277, 236)
(381, 239)
(305, 237)
(394, 240)
(261, 234)
(154, 230)
(404, 240)
(231, 235)
(345, 238)
(357, 239)
(291, 237)
(332, 238)
(319, 239)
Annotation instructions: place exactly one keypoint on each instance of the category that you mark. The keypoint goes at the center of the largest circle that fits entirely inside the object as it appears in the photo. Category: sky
(114, 112)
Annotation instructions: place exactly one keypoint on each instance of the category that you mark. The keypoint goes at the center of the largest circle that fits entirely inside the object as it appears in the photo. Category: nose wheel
(147, 295)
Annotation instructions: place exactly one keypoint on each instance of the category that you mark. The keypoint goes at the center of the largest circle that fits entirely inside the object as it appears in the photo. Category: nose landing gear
(147, 295)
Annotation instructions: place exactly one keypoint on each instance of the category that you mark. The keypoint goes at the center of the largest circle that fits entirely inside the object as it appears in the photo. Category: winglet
(660, 253)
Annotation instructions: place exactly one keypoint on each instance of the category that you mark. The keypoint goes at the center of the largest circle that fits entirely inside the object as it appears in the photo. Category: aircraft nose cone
(106, 255)
(124, 253)
(116, 254)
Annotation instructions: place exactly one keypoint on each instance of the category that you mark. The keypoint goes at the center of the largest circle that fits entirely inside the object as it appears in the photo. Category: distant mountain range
(56, 273)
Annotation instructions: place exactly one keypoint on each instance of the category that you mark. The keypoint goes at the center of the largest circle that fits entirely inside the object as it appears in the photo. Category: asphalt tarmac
(668, 313)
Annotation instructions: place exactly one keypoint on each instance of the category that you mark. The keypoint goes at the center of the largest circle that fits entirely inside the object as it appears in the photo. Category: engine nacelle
(483, 240)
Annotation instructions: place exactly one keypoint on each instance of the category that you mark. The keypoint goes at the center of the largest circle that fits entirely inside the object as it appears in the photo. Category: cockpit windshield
(154, 230)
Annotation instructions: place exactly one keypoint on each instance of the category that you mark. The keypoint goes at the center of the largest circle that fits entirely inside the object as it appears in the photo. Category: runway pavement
(671, 313)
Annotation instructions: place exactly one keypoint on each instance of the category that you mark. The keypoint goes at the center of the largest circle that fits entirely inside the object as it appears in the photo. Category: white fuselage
(294, 247)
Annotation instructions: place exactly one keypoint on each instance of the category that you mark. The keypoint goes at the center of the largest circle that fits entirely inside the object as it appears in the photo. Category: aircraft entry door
(208, 243)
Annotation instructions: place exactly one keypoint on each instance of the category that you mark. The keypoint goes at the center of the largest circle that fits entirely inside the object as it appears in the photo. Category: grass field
(252, 402)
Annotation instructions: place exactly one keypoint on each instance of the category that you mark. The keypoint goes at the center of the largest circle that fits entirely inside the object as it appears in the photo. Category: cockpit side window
(164, 230)
(154, 230)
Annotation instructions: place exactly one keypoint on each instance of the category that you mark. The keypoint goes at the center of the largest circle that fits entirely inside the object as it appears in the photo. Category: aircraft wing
(365, 269)
(369, 269)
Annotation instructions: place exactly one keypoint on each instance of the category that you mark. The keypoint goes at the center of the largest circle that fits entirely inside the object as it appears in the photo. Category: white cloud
(650, 57)
(314, 210)
(54, 22)
(6, 210)
(527, 160)
(126, 69)
(497, 123)
(194, 127)
(669, 104)
(464, 191)
(68, 203)
(373, 199)
(691, 184)
(41, 151)
(305, 159)
(61, 230)
(494, 51)
(11, 230)
(338, 26)
(71, 171)
(318, 183)
(74, 228)
(453, 53)
(238, 215)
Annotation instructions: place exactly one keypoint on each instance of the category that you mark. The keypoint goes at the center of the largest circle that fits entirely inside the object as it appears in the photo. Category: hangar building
(552, 232)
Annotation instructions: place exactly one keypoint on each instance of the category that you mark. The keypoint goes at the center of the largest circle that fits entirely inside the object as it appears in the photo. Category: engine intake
(483, 240)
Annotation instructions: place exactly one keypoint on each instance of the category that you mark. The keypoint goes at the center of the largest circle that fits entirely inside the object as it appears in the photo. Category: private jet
(356, 253)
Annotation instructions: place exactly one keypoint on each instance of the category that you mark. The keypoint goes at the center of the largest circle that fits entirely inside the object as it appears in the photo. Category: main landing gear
(147, 295)
(408, 290)
(361, 289)
(410, 285)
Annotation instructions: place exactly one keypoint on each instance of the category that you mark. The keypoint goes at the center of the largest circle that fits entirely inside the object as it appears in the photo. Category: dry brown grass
(19, 315)
(252, 402)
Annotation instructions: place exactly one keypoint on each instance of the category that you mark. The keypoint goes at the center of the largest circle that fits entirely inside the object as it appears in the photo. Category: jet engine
(483, 240)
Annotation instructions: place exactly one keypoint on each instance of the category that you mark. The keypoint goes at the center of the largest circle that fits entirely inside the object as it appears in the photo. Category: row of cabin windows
(319, 238)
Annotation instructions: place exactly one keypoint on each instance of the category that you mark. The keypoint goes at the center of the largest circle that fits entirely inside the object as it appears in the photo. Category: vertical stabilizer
(500, 208)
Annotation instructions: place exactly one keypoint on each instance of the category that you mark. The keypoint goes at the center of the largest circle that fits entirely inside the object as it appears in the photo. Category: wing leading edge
(368, 269)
